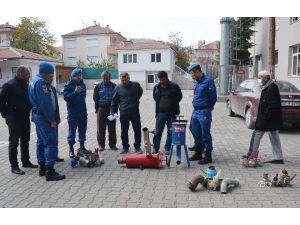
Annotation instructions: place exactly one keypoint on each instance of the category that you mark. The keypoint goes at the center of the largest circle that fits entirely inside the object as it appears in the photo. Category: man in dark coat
(167, 96)
(15, 107)
(269, 119)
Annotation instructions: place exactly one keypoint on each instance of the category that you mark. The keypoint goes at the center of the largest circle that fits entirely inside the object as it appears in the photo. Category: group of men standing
(18, 98)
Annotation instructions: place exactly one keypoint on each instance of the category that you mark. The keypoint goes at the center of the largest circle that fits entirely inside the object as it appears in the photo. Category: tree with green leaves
(241, 33)
(32, 34)
(181, 53)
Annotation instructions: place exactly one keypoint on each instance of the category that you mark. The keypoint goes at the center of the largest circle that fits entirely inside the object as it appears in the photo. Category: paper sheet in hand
(113, 117)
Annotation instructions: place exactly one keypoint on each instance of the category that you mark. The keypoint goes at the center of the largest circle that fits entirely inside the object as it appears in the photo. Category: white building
(11, 58)
(287, 45)
(94, 44)
(143, 60)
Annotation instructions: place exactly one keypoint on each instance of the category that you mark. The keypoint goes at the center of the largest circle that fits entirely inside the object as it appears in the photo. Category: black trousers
(18, 130)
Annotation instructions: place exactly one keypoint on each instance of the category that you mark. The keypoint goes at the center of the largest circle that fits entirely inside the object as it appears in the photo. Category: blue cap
(45, 67)
(76, 72)
(194, 66)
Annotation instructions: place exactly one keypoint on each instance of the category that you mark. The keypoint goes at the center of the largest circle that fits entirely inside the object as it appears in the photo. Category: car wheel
(249, 120)
(229, 109)
(296, 125)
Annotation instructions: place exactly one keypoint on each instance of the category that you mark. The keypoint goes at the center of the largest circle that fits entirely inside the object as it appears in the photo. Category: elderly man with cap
(205, 97)
(269, 119)
(43, 115)
(74, 95)
(103, 93)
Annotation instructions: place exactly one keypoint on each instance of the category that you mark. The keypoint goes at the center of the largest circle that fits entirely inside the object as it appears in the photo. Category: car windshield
(285, 86)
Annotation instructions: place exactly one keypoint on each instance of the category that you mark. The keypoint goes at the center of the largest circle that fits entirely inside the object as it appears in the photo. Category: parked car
(245, 99)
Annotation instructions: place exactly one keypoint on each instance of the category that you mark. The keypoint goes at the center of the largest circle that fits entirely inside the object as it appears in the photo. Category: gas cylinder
(142, 160)
(211, 172)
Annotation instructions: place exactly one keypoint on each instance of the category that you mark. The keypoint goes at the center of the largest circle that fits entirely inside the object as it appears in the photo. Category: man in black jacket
(167, 96)
(269, 119)
(126, 97)
(15, 108)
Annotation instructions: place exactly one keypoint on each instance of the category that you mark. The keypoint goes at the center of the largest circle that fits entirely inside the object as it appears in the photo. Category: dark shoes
(115, 148)
(16, 170)
(192, 148)
(29, 165)
(207, 159)
(42, 170)
(276, 161)
(124, 151)
(101, 148)
(52, 175)
(197, 156)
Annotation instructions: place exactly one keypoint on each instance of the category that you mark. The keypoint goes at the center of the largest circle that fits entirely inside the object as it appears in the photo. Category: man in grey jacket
(127, 97)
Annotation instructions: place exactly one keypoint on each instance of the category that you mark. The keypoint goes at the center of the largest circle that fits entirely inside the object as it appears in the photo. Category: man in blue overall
(74, 95)
(43, 115)
(205, 97)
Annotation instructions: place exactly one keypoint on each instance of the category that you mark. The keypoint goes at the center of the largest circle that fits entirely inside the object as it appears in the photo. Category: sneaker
(192, 148)
(124, 151)
(101, 148)
(138, 151)
(115, 148)
(167, 152)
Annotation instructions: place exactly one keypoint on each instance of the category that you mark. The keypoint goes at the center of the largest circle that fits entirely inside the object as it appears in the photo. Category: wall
(6, 68)
(144, 60)
(81, 51)
(287, 35)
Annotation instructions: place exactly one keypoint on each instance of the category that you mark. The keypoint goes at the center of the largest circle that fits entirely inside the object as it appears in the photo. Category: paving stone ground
(112, 185)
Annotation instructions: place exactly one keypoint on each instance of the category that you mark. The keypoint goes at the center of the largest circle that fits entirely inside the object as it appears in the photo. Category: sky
(192, 29)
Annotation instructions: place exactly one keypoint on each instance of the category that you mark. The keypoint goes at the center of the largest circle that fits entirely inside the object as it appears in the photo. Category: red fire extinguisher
(142, 161)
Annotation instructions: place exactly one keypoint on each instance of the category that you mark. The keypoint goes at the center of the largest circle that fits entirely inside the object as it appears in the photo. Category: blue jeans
(163, 119)
(201, 123)
(47, 141)
(81, 123)
(136, 125)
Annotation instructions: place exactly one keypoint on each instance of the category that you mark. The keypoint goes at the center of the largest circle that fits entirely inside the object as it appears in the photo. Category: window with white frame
(14, 71)
(71, 61)
(70, 43)
(295, 61)
(294, 19)
(156, 57)
(129, 58)
(93, 58)
(92, 42)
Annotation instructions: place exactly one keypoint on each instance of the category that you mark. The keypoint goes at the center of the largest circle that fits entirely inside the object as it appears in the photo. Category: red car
(244, 101)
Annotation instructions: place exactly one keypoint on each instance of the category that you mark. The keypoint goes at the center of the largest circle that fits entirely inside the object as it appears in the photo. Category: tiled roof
(145, 45)
(14, 53)
(210, 46)
(2, 26)
(92, 30)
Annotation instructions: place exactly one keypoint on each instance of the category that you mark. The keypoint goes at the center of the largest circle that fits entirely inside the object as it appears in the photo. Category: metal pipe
(147, 142)
(178, 155)
(199, 179)
(226, 183)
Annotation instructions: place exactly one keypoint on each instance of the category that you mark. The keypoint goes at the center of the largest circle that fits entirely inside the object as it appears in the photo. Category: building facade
(91, 45)
(287, 45)
(11, 58)
(143, 60)
(6, 34)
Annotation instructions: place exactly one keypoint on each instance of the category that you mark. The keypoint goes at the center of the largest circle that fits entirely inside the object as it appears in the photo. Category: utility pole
(272, 46)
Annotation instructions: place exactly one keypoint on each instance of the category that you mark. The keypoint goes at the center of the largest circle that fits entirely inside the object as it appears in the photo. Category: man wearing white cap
(269, 119)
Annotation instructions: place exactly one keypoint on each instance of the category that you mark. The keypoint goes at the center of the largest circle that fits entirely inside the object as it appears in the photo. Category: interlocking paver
(112, 185)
